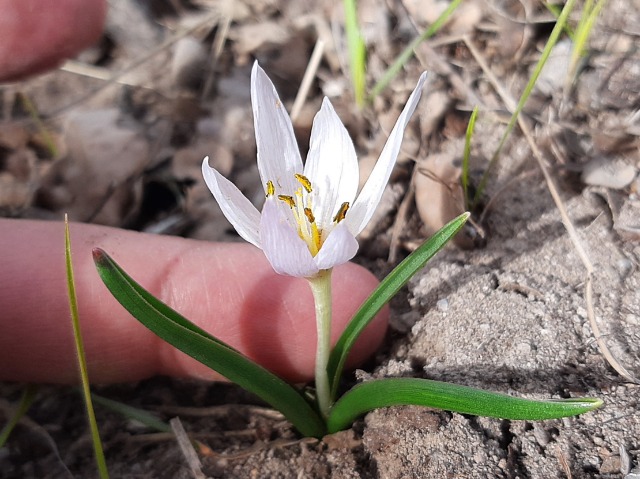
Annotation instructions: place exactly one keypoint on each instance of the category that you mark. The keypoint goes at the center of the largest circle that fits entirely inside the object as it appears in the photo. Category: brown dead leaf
(439, 195)
(18, 180)
(98, 180)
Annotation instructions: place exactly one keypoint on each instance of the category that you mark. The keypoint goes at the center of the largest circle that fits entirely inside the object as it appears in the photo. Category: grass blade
(466, 154)
(553, 39)
(26, 400)
(197, 343)
(408, 52)
(84, 376)
(383, 294)
(357, 51)
(462, 399)
(137, 414)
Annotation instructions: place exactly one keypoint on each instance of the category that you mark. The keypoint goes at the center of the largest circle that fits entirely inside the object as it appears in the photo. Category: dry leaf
(608, 172)
(439, 196)
(98, 180)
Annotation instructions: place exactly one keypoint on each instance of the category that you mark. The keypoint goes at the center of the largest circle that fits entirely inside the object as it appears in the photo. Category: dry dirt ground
(505, 309)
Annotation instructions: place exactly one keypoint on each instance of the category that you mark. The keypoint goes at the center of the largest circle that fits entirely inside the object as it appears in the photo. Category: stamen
(288, 200)
(309, 215)
(304, 181)
(271, 190)
(342, 212)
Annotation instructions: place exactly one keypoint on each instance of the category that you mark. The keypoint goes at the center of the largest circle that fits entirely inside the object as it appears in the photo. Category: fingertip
(38, 35)
(353, 285)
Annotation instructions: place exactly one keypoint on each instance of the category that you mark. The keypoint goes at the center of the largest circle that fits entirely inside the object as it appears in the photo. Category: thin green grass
(583, 31)
(82, 362)
(357, 51)
(26, 400)
(46, 135)
(130, 412)
(466, 154)
(553, 39)
(408, 52)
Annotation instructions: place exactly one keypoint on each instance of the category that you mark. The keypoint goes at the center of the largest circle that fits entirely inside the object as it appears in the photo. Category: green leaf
(462, 399)
(546, 51)
(466, 154)
(98, 449)
(408, 52)
(357, 51)
(383, 294)
(26, 400)
(197, 343)
(144, 417)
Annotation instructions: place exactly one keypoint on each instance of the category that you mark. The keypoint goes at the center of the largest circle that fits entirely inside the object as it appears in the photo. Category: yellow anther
(342, 212)
(288, 200)
(304, 181)
(271, 190)
(309, 215)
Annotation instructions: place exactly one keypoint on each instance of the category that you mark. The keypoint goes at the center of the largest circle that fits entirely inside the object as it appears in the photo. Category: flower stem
(321, 288)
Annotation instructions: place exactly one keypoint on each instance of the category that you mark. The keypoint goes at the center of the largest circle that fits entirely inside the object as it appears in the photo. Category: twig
(216, 51)
(187, 449)
(118, 75)
(401, 218)
(309, 74)
(566, 221)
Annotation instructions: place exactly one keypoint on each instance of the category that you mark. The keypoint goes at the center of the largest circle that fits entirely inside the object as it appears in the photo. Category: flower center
(302, 210)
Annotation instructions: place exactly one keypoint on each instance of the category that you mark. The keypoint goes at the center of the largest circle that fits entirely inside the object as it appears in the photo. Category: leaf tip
(99, 256)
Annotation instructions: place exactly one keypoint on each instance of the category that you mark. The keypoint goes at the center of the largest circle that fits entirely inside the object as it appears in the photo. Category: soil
(503, 309)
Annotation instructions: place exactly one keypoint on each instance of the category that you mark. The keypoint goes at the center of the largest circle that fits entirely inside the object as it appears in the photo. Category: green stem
(321, 289)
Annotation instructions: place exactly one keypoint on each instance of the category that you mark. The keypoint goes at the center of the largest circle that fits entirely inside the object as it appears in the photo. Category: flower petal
(368, 199)
(244, 217)
(339, 247)
(332, 165)
(278, 154)
(285, 250)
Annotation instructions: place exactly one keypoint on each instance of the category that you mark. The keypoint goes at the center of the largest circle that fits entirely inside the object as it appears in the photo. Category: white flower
(311, 215)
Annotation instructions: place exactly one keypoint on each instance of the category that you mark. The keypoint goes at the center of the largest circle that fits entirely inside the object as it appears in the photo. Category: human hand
(36, 35)
(230, 290)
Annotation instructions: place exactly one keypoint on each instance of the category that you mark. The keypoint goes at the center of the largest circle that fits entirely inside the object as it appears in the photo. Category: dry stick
(566, 221)
(116, 76)
(309, 74)
(187, 449)
(7, 410)
(401, 217)
(216, 51)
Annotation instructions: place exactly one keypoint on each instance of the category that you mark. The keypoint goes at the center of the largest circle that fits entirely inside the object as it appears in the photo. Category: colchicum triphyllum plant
(311, 216)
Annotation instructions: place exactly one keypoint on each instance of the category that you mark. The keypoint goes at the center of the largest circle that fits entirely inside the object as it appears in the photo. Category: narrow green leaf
(26, 400)
(462, 399)
(466, 154)
(383, 294)
(98, 450)
(587, 21)
(408, 52)
(197, 343)
(357, 51)
(137, 414)
(546, 51)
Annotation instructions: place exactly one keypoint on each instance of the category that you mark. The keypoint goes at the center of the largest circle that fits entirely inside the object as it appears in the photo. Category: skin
(229, 290)
(36, 35)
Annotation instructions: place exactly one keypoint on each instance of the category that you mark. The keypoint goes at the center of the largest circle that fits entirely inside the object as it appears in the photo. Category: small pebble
(443, 305)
